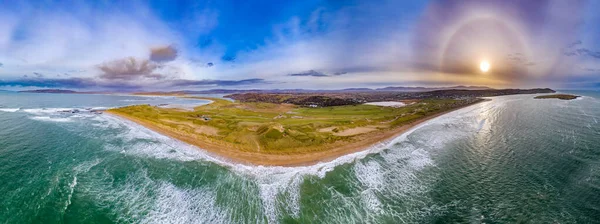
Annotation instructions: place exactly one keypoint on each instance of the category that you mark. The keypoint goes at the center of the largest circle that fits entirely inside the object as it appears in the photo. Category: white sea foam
(176, 205)
(64, 110)
(370, 175)
(86, 166)
(10, 110)
(71, 190)
(81, 168)
(140, 199)
(45, 110)
(103, 122)
(52, 119)
(274, 181)
(371, 202)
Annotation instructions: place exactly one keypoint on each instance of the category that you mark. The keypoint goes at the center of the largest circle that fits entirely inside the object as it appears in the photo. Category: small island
(558, 96)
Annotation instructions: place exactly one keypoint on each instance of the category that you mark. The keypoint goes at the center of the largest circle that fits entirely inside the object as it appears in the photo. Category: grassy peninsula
(286, 134)
(558, 96)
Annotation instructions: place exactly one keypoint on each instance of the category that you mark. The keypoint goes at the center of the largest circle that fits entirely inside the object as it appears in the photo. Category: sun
(484, 66)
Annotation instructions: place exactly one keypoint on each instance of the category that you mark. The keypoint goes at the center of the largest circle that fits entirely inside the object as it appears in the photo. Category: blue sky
(176, 45)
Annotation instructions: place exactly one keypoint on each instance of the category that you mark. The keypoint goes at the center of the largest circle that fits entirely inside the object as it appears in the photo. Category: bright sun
(484, 66)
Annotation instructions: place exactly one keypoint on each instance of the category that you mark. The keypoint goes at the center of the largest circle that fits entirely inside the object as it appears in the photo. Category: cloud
(310, 73)
(453, 36)
(79, 37)
(129, 69)
(314, 73)
(574, 44)
(39, 75)
(186, 83)
(132, 45)
(163, 54)
(583, 52)
(519, 59)
(86, 83)
(1, 64)
(228, 58)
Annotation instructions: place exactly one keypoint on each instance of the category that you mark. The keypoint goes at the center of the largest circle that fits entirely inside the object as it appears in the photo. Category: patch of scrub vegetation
(558, 96)
(282, 128)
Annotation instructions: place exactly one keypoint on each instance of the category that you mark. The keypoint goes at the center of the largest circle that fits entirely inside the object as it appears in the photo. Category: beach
(98, 168)
(310, 157)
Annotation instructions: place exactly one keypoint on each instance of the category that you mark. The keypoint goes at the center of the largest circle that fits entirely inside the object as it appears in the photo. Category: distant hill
(48, 91)
(426, 89)
(353, 98)
(389, 89)
(234, 91)
(357, 89)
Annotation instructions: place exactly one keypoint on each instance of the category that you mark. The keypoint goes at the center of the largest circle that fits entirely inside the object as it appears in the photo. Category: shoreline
(366, 142)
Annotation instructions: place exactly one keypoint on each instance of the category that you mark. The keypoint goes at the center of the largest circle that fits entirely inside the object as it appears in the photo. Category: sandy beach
(328, 153)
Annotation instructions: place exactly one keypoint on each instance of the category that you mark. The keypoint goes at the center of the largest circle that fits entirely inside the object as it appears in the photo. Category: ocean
(512, 159)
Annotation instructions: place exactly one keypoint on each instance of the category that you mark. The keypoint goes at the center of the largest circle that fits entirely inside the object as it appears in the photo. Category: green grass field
(281, 128)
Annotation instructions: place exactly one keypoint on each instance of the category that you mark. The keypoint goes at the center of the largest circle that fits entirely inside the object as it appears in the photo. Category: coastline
(291, 159)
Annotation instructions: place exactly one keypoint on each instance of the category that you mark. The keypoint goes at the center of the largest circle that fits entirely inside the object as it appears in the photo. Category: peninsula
(558, 96)
(292, 130)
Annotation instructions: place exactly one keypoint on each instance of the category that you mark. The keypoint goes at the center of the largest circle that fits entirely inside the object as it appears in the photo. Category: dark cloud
(519, 59)
(140, 69)
(228, 58)
(314, 73)
(583, 52)
(207, 82)
(130, 74)
(81, 83)
(129, 69)
(163, 54)
(77, 71)
(574, 44)
(310, 73)
(1, 64)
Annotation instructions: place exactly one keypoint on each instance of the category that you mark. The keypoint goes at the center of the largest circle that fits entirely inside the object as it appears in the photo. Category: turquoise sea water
(512, 159)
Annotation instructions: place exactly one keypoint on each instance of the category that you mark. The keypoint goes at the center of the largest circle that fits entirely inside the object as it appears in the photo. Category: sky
(310, 44)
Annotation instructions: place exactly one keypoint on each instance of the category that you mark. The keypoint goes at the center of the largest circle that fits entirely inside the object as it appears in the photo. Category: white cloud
(373, 43)
(57, 42)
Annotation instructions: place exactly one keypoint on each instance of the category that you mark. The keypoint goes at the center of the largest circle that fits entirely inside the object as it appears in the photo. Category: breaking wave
(52, 119)
(10, 110)
(279, 187)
